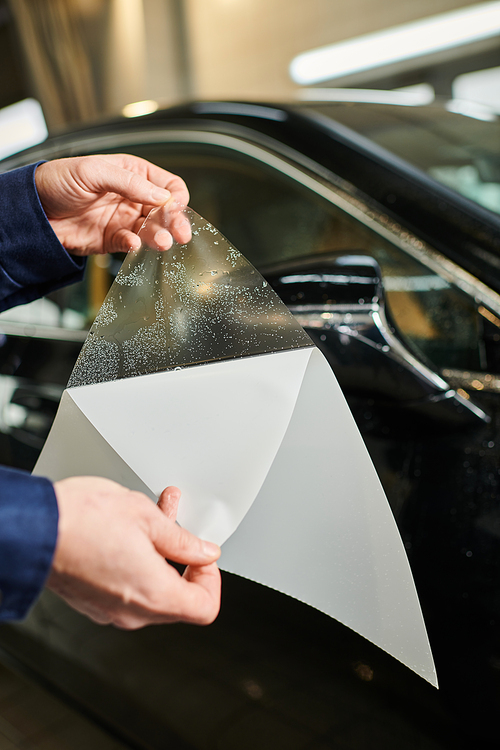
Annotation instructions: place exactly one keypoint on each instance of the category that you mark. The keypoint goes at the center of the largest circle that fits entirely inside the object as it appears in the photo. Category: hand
(97, 204)
(109, 561)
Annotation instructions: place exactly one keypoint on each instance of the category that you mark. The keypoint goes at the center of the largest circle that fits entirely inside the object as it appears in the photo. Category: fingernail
(209, 549)
(160, 195)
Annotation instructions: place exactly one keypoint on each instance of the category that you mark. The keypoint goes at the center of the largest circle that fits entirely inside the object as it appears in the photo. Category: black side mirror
(340, 302)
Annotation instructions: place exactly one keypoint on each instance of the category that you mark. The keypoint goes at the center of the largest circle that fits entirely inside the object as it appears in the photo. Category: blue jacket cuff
(28, 535)
(32, 260)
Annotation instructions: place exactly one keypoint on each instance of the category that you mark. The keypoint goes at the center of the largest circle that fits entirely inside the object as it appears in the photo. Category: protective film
(195, 303)
(195, 374)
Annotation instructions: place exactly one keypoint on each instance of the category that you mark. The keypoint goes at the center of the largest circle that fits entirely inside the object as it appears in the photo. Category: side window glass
(273, 218)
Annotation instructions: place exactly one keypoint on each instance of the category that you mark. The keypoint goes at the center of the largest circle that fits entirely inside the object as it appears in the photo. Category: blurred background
(88, 59)
(68, 63)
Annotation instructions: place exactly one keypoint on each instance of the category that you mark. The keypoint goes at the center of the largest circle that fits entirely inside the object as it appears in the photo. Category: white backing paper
(196, 374)
(272, 466)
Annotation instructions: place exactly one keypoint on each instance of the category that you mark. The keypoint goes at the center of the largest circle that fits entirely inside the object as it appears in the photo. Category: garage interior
(88, 60)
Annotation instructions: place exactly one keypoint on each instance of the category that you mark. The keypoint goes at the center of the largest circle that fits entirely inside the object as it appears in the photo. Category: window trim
(305, 171)
(302, 170)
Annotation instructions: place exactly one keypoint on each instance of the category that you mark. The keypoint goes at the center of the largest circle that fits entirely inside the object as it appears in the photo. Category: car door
(413, 340)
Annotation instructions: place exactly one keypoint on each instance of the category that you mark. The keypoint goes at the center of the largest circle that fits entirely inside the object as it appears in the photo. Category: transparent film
(194, 303)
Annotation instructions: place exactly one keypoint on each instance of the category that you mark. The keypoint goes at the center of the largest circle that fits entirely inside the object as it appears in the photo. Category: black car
(379, 228)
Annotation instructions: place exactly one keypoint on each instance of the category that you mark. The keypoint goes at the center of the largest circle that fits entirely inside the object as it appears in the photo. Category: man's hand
(110, 555)
(97, 204)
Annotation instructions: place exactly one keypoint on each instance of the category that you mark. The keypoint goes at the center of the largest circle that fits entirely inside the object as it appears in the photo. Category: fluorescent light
(372, 96)
(471, 109)
(423, 37)
(21, 125)
(136, 109)
(482, 86)
(424, 92)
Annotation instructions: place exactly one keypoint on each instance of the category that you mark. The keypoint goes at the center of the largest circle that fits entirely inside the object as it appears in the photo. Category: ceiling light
(471, 109)
(136, 109)
(371, 96)
(415, 39)
(21, 125)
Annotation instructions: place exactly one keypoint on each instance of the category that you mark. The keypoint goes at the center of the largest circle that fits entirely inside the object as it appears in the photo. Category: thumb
(169, 502)
(115, 179)
(179, 545)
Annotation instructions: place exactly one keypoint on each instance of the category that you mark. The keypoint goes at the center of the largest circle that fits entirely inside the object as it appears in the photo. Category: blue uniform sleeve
(32, 260)
(28, 534)
(32, 263)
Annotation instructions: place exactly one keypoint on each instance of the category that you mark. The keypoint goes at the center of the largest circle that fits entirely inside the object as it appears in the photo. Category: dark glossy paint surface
(33, 374)
(267, 655)
(270, 673)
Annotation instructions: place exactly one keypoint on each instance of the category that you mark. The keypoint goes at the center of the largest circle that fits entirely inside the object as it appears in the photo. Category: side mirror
(340, 302)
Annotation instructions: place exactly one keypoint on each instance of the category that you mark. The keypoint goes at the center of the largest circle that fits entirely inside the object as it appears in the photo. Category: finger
(179, 545)
(128, 184)
(162, 177)
(176, 186)
(169, 217)
(180, 227)
(154, 174)
(201, 602)
(123, 241)
(154, 232)
(163, 239)
(169, 502)
(194, 599)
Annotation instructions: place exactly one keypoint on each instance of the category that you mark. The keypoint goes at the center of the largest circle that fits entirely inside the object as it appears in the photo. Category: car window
(271, 217)
(461, 150)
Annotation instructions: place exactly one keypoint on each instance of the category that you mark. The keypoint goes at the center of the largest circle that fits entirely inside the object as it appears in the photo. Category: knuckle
(141, 507)
(157, 602)
(128, 622)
